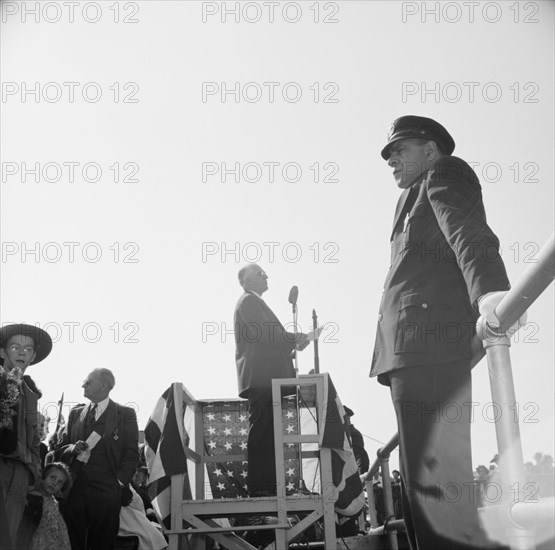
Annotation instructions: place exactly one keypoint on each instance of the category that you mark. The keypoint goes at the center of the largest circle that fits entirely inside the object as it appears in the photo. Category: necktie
(90, 420)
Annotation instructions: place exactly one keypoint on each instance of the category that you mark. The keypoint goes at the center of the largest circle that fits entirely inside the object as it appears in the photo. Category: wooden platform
(193, 521)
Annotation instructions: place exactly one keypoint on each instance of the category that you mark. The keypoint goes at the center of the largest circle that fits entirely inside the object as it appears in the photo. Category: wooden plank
(191, 455)
(176, 497)
(281, 538)
(228, 540)
(224, 458)
(232, 528)
(199, 444)
(303, 438)
(296, 497)
(303, 524)
(216, 508)
(330, 496)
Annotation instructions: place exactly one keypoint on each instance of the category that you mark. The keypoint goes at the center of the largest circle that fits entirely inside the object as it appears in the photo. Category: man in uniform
(445, 271)
(20, 466)
(263, 352)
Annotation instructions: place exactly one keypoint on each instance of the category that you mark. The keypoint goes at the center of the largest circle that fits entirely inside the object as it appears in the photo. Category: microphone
(293, 295)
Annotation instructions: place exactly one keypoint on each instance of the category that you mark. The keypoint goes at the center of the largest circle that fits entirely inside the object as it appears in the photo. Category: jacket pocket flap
(414, 299)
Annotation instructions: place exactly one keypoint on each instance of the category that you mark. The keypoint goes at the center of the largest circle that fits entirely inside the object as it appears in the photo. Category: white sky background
(169, 294)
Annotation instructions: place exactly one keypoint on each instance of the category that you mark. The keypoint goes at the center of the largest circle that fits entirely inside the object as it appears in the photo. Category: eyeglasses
(16, 348)
(262, 273)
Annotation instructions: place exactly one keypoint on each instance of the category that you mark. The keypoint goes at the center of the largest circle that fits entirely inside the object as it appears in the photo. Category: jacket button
(380, 317)
(424, 305)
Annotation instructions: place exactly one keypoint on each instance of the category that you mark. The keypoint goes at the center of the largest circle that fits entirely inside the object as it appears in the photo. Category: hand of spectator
(79, 447)
(126, 495)
(151, 515)
(486, 305)
(302, 342)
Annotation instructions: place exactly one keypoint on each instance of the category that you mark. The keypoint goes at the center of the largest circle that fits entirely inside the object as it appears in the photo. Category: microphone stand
(302, 485)
(295, 331)
(315, 328)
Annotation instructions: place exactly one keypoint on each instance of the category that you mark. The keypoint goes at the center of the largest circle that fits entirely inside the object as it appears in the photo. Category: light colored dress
(133, 521)
(51, 534)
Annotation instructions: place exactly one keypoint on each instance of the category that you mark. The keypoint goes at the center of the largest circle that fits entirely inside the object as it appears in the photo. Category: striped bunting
(344, 468)
(165, 442)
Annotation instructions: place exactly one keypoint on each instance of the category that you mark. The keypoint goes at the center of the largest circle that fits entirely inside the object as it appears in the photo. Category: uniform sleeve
(456, 199)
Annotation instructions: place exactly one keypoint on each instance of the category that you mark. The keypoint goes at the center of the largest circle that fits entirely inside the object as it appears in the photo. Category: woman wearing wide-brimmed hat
(20, 346)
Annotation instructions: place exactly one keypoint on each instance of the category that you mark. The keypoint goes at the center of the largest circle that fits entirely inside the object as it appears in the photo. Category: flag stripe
(172, 453)
(152, 435)
(165, 437)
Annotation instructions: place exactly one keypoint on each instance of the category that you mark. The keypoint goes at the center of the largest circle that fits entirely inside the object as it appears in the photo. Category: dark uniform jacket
(263, 347)
(444, 257)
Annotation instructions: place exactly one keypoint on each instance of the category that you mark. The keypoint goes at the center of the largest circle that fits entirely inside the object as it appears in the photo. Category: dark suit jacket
(263, 347)
(443, 258)
(121, 436)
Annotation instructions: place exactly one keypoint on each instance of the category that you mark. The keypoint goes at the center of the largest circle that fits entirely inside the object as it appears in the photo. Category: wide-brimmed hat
(41, 338)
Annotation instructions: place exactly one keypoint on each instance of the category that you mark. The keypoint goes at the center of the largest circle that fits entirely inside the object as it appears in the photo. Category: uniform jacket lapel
(400, 210)
(406, 202)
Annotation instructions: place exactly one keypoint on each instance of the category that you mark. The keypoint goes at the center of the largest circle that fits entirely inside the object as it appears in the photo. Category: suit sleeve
(63, 451)
(130, 449)
(258, 327)
(456, 199)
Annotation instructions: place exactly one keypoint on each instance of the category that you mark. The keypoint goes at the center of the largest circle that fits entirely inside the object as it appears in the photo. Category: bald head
(98, 384)
(253, 278)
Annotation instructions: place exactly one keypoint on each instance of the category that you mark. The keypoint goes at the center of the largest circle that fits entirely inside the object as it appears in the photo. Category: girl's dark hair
(58, 466)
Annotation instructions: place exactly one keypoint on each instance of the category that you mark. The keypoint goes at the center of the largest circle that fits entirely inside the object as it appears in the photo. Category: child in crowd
(43, 514)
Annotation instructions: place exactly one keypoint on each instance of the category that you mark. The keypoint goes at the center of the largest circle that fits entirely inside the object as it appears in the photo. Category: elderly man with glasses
(263, 352)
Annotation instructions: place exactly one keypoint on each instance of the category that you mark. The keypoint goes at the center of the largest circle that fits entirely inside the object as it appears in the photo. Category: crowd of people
(539, 475)
(89, 486)
(543, 464)
(378, 491)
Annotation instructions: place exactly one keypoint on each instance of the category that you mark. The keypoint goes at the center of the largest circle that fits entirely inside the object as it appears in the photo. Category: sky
(150, 149)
